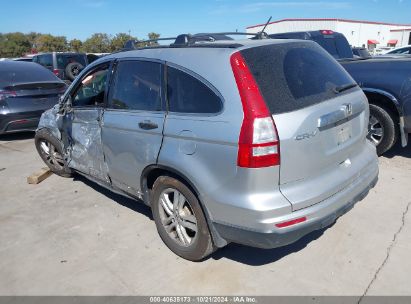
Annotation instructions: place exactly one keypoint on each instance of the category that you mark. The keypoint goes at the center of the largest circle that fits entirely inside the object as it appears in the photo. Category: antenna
(261, 34)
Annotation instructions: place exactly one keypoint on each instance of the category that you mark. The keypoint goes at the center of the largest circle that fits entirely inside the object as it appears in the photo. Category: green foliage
(14, 45)
(18, 44)
(152, 36)
(97, 43)
(49, 43)
(75, 45)
(118, 41)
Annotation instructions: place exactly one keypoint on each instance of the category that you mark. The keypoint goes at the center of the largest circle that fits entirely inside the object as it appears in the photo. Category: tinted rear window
(187, 94)
(335, 44)
(23, 72)
(64, 59)
(292, 76)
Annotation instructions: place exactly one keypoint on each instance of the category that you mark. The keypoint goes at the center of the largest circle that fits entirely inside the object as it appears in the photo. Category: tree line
(18, 44)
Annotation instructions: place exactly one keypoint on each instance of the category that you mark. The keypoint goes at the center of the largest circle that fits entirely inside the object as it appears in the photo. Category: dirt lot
(69, 236)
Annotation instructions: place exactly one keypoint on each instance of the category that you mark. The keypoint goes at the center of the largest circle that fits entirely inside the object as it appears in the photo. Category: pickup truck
(386, 81)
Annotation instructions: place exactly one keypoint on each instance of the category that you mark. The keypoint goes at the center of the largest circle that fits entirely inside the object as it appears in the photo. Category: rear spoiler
(36, 85)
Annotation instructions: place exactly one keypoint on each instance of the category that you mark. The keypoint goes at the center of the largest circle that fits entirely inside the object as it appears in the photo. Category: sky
(81, 18)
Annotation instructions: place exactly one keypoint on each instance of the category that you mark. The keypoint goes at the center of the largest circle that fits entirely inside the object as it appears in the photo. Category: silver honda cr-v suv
(257, 142)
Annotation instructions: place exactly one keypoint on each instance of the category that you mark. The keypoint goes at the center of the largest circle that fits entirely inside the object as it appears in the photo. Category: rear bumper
(18, 123)
(318, 216)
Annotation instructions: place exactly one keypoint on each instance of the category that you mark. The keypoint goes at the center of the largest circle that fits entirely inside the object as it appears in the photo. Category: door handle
(147, 125)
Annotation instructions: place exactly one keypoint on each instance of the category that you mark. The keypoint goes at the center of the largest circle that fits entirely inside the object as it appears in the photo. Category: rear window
(335, 44)
(292, 76)
(23, 72)
(64, 59)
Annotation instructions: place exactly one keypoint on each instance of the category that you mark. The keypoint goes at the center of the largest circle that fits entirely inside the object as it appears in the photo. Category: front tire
(51, 152)
(382, 129)
(180, 220)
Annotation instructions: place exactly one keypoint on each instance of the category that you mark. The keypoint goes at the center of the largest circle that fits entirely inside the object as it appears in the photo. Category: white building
(358, 33)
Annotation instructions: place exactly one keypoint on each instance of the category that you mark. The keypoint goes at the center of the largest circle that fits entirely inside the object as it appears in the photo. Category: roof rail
(185, 40)
(188, 39)
(133, 44)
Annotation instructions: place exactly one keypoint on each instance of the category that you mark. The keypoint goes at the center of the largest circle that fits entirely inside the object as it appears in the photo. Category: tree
(152, 36)
(118, 41)
(97, 43)
(18, 44)
(14, 45)
(75, 45)
(32, 37)
(49, 43)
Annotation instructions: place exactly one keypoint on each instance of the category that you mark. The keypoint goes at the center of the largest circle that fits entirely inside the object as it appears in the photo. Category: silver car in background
(257, 142)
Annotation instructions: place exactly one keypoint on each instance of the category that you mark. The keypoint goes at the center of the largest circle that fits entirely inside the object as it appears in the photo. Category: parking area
(68, 236)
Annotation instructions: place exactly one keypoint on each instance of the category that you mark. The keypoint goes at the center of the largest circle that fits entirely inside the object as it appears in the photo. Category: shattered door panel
(86, 153)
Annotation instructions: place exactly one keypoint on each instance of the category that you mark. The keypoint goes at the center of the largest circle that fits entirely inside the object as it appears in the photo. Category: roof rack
(186, 40)
(133, 44)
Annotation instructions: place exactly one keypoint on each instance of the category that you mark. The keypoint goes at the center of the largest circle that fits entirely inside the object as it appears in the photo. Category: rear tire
(382, 129)
(51, 152)
(180, 220)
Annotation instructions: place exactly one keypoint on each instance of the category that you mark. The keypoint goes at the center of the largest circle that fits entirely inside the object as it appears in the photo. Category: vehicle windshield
(295, 75)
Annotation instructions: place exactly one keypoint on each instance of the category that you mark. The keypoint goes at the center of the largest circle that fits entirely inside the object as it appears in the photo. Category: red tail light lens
(327, 32)
(258, 144)
(56, 72)
(6, 94)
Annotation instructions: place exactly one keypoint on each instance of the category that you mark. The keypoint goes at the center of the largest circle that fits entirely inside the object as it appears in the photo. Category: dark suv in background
(66, 66)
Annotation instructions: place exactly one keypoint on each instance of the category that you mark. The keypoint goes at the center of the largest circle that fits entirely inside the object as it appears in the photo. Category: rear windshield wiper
(344, 87)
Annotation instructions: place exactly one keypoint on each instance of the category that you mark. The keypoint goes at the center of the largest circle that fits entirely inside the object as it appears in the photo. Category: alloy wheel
(177, 217)
(53, 157)
(375, 130)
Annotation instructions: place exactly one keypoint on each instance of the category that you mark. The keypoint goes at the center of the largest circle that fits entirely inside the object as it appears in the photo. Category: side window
(45, 60)
(137, 86)
(187, 94)
(91, 89)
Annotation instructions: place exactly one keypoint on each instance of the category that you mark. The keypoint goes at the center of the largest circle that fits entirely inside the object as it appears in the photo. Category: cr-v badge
(306, 135)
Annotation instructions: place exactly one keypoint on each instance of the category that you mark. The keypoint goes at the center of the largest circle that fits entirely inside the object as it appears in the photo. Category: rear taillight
(258, 144)
(327, 32)
(7, 94)
(56, 72)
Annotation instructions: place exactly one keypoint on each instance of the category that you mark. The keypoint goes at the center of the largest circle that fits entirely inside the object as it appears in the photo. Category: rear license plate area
(343, 134)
